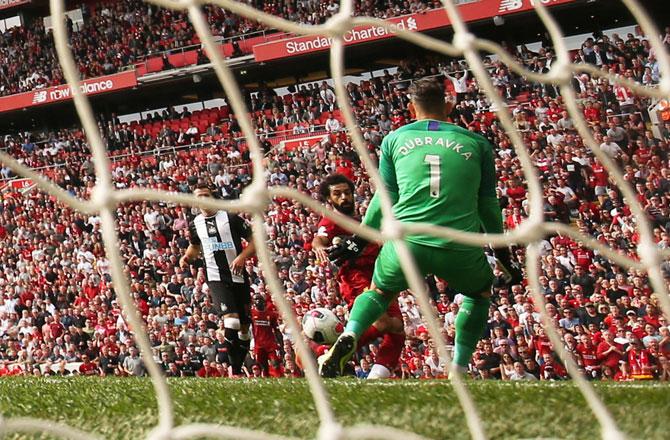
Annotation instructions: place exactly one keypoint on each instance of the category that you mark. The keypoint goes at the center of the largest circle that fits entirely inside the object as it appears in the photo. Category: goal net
(256, 198)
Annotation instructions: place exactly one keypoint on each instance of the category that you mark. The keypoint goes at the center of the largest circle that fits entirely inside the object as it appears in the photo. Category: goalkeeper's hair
(334, 179)
(428, 94)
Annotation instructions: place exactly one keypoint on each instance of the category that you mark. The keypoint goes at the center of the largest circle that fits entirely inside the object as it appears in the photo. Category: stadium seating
(112, 25)
(68, 288)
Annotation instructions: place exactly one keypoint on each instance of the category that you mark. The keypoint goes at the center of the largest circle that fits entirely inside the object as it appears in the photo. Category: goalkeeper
(437, 173)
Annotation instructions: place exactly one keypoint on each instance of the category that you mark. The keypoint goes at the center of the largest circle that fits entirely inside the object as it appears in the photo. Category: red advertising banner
(20, 184)
(419, 22)
(17, 185)
(6, 4)
(93, 86)
(302, 143)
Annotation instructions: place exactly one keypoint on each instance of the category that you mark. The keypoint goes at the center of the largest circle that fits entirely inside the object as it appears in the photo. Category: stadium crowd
(59, 313)
(118, 34)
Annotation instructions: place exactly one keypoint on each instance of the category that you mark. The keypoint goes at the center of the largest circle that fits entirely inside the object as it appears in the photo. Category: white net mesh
(257, 196)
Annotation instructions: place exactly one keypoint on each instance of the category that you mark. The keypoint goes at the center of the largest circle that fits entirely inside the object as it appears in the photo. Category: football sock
(368, 336)
(390, 350)
(229, 338)
(369, 306)
(231, 342)
(470, 323)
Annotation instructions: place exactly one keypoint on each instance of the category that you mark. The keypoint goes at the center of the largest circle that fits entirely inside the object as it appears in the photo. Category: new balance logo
(510, 5)
(40, 97)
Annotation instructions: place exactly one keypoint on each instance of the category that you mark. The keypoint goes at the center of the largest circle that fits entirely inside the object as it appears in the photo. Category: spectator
(363, 370)
(43, 258)
(332, 124)
(133, 364)
(87, 368)
(520, 373)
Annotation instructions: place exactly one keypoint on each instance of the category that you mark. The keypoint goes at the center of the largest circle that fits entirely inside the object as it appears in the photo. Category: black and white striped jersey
(220, 237)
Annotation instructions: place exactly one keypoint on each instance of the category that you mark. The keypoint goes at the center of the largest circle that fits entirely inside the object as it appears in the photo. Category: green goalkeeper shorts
(465, 269)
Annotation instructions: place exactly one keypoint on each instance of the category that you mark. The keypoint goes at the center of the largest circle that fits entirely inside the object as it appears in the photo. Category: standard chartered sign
(358, 35)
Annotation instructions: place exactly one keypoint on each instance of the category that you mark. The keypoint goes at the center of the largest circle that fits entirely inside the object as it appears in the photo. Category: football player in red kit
(355, 276)
(265, 329)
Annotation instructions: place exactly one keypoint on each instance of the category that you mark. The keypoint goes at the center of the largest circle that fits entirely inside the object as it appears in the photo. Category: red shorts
(394, 310)
(352, 283)
(265, 354)
(357, 282)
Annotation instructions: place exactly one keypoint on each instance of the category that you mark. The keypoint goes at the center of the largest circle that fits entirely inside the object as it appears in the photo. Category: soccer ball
(321, 326)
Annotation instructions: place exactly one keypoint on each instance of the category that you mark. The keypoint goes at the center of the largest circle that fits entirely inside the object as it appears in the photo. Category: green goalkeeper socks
(470, 323)
(369, 306)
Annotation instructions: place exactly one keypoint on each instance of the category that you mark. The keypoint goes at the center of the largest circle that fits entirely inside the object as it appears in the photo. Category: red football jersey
(264, 323)
(364, 263)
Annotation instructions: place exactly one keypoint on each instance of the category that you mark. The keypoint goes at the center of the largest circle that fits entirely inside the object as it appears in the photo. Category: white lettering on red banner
(419, 22)
(5, 4)
(21, 183)
(40, 97)
(303, 143)
(92, 86)
(16, 187)
(514, 5)
(353, 36)
(299, 46)
(87, 88)
(510, 5)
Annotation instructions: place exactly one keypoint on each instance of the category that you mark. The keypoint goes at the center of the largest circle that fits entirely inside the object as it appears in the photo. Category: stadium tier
(113, 40)
(108, 37)
(58, 310)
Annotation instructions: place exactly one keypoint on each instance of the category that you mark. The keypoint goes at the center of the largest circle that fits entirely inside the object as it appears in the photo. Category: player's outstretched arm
(490, 214)
(348, 248)
(373, 216)
(319, 245)
(488, 207)
(192, 252)
(237, 266)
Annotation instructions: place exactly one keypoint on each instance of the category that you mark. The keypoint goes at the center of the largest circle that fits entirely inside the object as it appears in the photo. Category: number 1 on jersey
(433, 161)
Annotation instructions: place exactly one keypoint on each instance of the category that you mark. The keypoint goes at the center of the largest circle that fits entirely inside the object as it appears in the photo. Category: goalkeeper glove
(510, 268)
(347, 249)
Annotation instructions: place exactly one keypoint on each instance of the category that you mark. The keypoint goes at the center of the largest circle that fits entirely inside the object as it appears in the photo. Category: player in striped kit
(217, 236)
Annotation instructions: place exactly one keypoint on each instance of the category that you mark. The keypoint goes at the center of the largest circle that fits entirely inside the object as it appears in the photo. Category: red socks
(390, 349)
(368, 336)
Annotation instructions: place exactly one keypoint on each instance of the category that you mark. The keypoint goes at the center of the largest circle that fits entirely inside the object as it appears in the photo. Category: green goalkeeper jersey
(438, 173)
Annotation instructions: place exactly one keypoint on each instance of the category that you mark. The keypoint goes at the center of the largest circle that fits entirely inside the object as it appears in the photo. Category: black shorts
(231, 298)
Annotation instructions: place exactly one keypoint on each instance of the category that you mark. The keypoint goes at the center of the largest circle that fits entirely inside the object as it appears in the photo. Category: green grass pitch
(126, 408)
